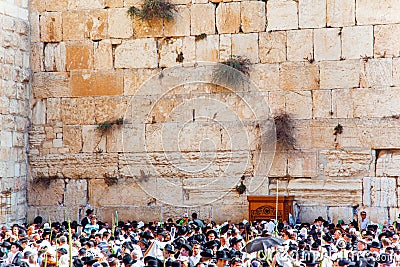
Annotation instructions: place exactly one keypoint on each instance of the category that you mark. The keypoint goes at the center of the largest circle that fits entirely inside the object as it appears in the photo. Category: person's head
(361, 245)
(186, 250)
(196, 249)
(363, 214)
(194, 216)
(93, 219)
(236, 262)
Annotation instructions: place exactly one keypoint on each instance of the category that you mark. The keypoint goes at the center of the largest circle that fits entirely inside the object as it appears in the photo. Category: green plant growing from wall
(105, 127)
(284, 131)
(337, 130)
(153, 9)
(224, 74)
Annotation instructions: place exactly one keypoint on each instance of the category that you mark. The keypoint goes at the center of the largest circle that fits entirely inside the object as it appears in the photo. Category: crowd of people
(191, 242)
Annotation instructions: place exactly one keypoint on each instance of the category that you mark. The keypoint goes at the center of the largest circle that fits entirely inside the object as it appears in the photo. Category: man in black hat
(196, 250)
(206, 256)
(86, 220)
(236, 243)
(222, 258)
(15, 255)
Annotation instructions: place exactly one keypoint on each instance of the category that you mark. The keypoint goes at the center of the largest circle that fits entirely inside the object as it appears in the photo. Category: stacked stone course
(324, 62)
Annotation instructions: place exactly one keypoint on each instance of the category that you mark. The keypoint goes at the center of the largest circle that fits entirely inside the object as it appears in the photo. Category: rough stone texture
(116, 18)
(312, 15)
(357, 42)
(282, 15)
(50, 27)
(228, 17)
(79, 55)
(272, 47)
(377, 12)
(340, 13)
(178, 26)
(246, 45)
(96, 83)
(339, 74)
(202, 19)
(207, 49)
(296, 52)
(327, 44)
(252, 16)
(299, 76)
(129, 54)
(386, 37)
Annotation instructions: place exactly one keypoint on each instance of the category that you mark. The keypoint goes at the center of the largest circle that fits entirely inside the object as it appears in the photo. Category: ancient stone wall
(327, 63)
(14, 109)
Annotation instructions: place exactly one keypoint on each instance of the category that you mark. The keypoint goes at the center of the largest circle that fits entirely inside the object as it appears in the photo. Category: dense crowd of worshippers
(191, 242)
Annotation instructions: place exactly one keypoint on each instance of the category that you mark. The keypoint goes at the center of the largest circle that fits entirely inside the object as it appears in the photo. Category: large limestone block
(265, 76)
(340, 13)
(272, 46)
(54, 57)
(377, 73)
(73, 25)
(53, 110)
(282, 15)
(179, 26)
(79, 55)
(387, 163)
(202, 19)
(207, 49)
(72, 138)
(116, 18)
(76, 193)
(36, 57)
(279, 164)
(130, 54)
(246, 45)
(85, 4)
(34, 26)
(169, 50)
(228, 17)
(322, 103)
(38, 5)
(96, 24)
(110, 108)
(396, 72)
(343, 163)
(312, 14)
(327, 44)
(299, 103)
(45, 191)
(114, 3)
(380, 191)
(135, 78)
(343, 109)
(50, 27)
(56, 5)
(225, 47)
(96, 83)
(387, 40)
(78, 111)
(252, 16)
(103, 58)
(303, 163)
(297, 52)
(39, 112)
(357, 42)
(339, 74)
(377, 12)
(51, 84)
(93, 140)
(299, 76)
(144, 28)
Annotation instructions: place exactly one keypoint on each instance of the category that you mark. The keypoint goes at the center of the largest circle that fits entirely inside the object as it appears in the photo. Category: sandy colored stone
(116, 18)
(93, 140)
(134, 79)
(322, 103)
(129, 54)
(386, 40)
(178, 26)
(85, 4)
(272, 46)
(34, 27)
(246, 45)
(207, 48)
(103, 58)
(377, 12)
(54, 57)
(396, 72)
(114, 3)
(376, 73)
(36, 57)
(327, 44)
(169, 50)
(302, 163)
(73, 113)
(38, 5)
(340, 13)
(39, 112)
(311, 14)
(52, 84)
(56, 5)
(303, 52)
(110, 108)
(282, 15)
(357, 42)
(228, 17)
(299, 104)
(76, 193)
(96, 83)
(53, 110)
(202, 19)
(45, 191)
(225, 47)
(144, 28)
(299, 76)
(252, 16)
(339, 74)
(387, 163)
(72, 138)
(79, 55)
(96, 25)
(50, 27)
(379, 191)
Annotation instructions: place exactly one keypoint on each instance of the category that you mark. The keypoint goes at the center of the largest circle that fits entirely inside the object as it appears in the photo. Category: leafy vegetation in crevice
(284, 130)
(153, 9)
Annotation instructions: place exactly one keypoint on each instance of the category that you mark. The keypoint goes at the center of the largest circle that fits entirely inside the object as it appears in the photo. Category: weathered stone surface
(396, 72)
(303, 52)
(340, 13)
(299, 76)
(282, 15)
(170, 50)
(76, 193)
(116, 18)
(357, 42)
(377, 12)
(79, 55)
(327, 44)
(339, 74)
(54, 57)
(73, 25)
(144, 28)
(54, 5)
(228, 17)
(302, 163)
(134, 79)
(36, 57)
(322, 103)
(96, 83)
(207, 49)
(265, 76)
(103, 57)
(386, 40)
(312, 15)
(50, 27)
(45, 192)
(34, 26)
(93, 139)
(72, 138)
(299, 103)
(377, 73)
(252, 16)
(52, 84)
(341, 163)
(179, 26)
(225, 47)
(272, 46)
(96, 24)
(110, 108)
(129, 54)
(73, 113)
(387, 163)
(202, 19)
(246, 45)
(380, 191)
(114, 3)
(85, 4)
